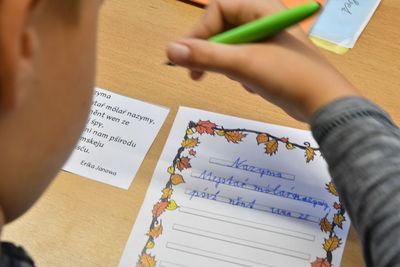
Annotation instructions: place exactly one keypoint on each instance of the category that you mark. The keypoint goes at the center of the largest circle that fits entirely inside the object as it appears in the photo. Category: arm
(361, 145)
(358, 139)
(286, 69)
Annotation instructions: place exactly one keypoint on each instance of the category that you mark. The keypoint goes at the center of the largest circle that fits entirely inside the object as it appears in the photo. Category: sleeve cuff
(341, 112)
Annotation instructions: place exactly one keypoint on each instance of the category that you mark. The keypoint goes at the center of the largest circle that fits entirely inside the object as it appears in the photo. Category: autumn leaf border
(181, 162)
(329, 226)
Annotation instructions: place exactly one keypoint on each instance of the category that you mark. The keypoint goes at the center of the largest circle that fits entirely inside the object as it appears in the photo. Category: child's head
(47, 60)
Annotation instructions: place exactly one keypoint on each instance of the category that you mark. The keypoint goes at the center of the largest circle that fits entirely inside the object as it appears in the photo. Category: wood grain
(79, 222)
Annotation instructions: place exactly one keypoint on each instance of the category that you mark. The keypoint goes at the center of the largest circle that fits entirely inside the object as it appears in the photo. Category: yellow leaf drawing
(167, 192)
(156, 231)
(310, 154)
(332, 243)
(325, 225)
(189, 131)
(338, 219)
(271, 147)
(172, 205)
(234, 137)
(147, 260)
(262, 138)
(189, 143)
(177, 179)
(290, 146)
(221, 132)
(150, 244)
(332, 189)
(171, 170)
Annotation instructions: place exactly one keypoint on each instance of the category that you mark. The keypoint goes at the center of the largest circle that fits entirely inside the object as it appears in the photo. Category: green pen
(264, 27)
(267, 26)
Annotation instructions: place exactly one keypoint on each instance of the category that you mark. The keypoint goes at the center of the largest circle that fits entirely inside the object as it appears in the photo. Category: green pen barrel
(264, 27)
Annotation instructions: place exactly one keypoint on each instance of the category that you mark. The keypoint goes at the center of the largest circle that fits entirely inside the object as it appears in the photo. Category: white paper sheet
(342, 21)
(234, 192)
(119, 132)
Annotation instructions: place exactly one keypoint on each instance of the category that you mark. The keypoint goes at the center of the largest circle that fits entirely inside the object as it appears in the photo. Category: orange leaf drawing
(331, 243)
(337, 206)
(205, 126)
(234, 137)
(262, 138)
(284, 139)
(332, 189)
(325, 225)
(338, 219)
(310, 154)
(271, 147)
(320, 262)
(167, 192)
(156, 231)
(139, 265)
(192, 152)
(159, 208)
(189, 143)
(147, 260)
(183, 163)
(177, 179)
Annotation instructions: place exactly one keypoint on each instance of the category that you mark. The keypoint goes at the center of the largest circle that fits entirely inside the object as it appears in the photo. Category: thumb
(201, 55)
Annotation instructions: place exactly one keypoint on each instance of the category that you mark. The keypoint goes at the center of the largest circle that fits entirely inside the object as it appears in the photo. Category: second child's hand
(286, 69)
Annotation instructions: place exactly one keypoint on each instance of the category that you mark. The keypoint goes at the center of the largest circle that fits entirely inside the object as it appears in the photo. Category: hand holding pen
(285, 68)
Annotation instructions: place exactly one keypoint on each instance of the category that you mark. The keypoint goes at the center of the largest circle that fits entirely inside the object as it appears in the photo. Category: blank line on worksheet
(164, 263)
(247, 223)
(214, 255)
(242, 242)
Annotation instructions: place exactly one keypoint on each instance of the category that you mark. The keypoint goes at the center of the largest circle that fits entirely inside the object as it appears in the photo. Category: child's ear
(18, 45)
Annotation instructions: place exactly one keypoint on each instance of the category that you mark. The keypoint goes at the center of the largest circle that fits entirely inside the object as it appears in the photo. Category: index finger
(222, 15)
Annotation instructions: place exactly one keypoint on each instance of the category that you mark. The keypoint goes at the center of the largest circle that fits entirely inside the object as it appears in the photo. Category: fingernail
(178, 53)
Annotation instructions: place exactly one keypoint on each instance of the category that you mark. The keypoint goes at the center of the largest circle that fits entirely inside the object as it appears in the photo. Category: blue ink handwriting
(243, 165)
(209, 176)
(203, 194)
(348, 4)
(241, 203)
(275, 190)
(292, 195)
(287, 213)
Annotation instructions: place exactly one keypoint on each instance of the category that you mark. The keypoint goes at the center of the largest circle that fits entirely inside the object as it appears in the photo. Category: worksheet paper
(342, 21)
(118, 134)
(234, 192)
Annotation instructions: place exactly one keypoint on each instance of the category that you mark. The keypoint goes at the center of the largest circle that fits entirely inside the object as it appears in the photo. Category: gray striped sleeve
(362, 147)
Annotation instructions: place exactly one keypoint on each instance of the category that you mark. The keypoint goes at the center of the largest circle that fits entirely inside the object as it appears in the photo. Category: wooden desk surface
(79, 222)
